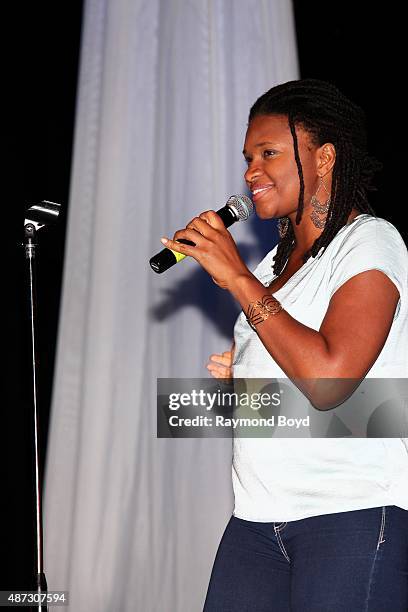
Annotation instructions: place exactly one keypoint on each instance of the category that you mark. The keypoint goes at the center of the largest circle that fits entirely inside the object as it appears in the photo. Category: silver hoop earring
(319, 208)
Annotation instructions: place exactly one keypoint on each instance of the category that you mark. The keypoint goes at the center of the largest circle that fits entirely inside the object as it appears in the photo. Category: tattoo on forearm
(262, 309)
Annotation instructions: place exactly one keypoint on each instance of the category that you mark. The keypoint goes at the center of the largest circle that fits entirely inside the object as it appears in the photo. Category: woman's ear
(326, 155)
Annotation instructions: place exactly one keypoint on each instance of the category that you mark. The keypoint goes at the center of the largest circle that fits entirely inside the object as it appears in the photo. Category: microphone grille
(241, 205)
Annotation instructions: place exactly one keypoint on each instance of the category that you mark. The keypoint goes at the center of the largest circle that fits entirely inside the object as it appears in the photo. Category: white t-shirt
(285, 479)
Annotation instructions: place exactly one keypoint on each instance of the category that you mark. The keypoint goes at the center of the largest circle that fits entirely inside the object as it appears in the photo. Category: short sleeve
(374, 244)
(264, 270)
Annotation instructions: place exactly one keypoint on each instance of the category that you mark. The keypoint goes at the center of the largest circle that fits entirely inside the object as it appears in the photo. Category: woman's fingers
(219, 371)
(218, 375)
(211, 217)
(224, 369)
(220, 364)
(222, 358)
(202, 227)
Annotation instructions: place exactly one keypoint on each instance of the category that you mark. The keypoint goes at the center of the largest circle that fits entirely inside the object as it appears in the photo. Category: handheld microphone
(237, 208)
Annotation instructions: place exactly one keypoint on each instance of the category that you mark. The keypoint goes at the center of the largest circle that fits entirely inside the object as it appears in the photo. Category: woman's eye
(269, 153)
(266, 154)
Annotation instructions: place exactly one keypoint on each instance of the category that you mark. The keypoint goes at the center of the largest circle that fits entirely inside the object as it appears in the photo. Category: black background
(359, 52)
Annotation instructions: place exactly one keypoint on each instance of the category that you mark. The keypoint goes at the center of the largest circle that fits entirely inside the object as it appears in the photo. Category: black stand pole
(30, 245)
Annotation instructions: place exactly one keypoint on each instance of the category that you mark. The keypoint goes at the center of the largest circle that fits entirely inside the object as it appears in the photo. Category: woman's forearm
(301, 352)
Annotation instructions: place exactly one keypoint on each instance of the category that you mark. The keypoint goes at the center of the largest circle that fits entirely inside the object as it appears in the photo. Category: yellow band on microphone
(178, 256)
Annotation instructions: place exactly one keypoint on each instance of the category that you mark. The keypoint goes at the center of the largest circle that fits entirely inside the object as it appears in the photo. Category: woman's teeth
(260, 190)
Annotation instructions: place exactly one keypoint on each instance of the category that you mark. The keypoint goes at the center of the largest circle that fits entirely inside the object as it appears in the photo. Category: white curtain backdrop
(133, 522)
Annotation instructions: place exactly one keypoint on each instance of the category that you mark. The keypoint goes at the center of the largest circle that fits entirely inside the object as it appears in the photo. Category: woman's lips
(256, 196)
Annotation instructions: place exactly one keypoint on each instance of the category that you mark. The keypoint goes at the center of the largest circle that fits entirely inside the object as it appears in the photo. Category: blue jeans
(344, 562)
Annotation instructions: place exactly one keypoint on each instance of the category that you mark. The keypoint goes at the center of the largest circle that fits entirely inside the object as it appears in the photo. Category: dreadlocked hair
(328, 116)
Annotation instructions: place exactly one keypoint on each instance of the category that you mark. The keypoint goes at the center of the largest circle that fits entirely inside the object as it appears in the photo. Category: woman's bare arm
(350, 338)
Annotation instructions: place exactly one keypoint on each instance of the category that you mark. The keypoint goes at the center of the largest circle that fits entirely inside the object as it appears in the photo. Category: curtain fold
(133, 522)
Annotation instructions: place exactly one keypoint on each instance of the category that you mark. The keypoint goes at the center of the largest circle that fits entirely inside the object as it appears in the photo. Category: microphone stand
(30, 244)
(38, 215)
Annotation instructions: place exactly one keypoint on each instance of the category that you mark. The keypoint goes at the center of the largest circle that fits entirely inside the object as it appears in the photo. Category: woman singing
(319, 524)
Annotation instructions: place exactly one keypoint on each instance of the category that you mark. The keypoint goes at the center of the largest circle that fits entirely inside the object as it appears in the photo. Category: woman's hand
(215, 249)
(220, 364)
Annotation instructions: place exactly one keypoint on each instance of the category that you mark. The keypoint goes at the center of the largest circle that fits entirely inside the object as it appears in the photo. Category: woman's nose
(252, 173)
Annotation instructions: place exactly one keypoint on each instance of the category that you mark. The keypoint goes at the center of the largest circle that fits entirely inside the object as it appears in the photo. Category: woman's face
(272, 174)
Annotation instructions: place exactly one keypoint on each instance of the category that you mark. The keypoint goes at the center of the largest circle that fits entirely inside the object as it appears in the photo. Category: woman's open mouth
(261, 191)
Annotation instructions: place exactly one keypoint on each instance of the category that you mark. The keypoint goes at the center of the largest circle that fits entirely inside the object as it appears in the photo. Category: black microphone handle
(165, 259)
(227, 215)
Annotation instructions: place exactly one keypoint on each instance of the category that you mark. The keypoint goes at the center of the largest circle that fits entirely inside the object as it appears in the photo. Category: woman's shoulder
(368, 230)
(368, 243)
(365, 233)
(366, 224)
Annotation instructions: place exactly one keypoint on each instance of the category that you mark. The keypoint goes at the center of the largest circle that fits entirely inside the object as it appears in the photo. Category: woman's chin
(265, 213)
